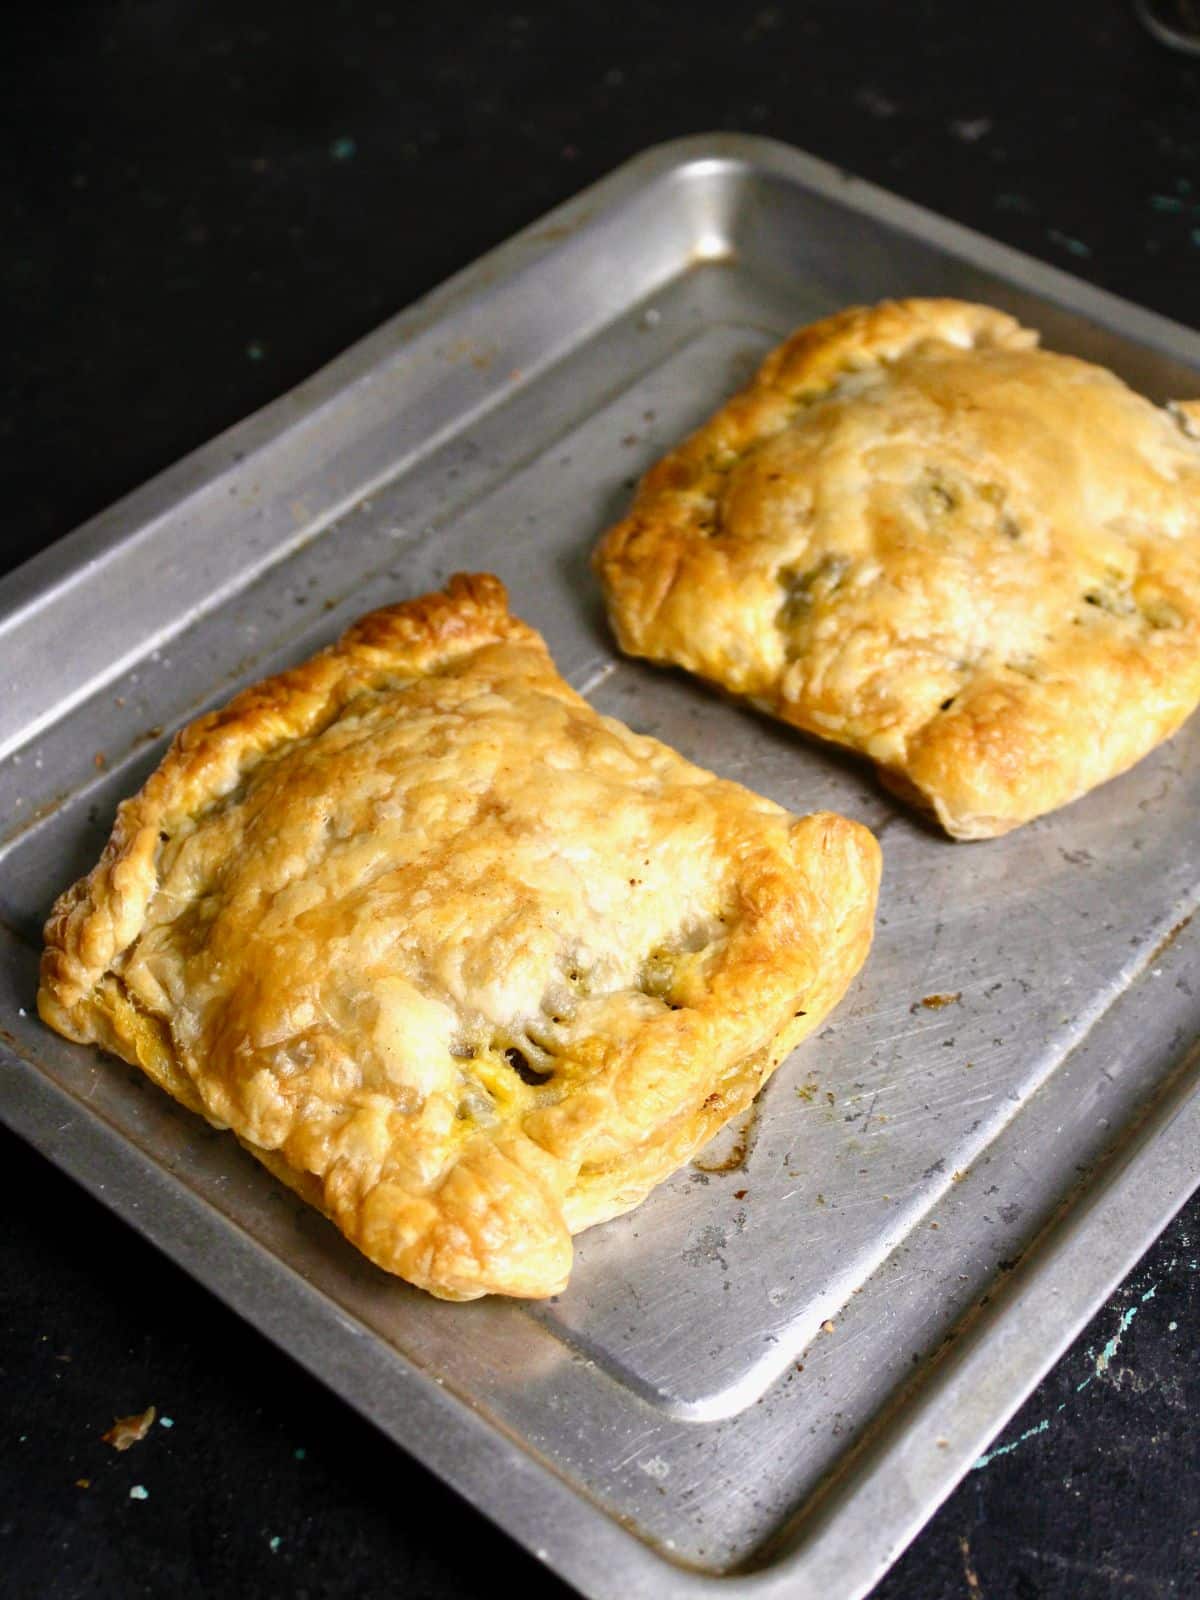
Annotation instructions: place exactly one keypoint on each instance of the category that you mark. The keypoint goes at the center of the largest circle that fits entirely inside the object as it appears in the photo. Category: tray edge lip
(847, 188)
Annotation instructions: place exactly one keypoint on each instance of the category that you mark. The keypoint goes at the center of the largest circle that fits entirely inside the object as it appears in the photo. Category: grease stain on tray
(729, 1150)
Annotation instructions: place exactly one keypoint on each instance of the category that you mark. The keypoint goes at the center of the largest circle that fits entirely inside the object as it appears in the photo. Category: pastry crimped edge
(100, 916)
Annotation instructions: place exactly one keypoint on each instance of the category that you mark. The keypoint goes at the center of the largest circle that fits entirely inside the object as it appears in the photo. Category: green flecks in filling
(657, 974)
(1160, 614)
(1117, 603)
(1026, 667)
(804, 588)
(936, 494)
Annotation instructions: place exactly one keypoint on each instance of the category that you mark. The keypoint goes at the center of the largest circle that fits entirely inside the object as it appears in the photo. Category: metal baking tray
(765, 1379)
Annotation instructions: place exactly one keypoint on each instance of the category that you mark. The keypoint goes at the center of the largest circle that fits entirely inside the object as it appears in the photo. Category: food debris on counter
(971, 129)
(128, 1431)
(1074, 247)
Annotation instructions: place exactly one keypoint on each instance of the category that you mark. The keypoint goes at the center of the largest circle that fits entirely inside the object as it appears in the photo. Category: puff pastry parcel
(468, 964)
(918, 535)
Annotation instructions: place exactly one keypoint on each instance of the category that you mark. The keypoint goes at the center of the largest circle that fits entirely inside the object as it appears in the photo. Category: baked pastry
(466, 963)
(918, 535)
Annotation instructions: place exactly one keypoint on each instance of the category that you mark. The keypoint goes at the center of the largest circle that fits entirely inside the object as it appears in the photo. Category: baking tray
(766, 1378)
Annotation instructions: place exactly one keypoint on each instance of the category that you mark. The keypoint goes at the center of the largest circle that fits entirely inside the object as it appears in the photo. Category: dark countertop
(207, 202)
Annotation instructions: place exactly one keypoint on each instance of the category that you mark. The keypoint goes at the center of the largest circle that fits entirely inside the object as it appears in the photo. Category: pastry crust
(920, 536)
(468, 964)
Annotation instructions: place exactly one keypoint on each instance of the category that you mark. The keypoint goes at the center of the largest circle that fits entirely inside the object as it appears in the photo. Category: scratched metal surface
(772, 1372)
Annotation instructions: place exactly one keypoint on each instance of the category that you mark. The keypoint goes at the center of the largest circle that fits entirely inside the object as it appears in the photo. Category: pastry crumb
(128, 1431)
(935, 1002)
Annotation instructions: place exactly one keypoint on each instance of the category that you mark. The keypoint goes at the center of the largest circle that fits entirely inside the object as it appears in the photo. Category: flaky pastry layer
(920, 536)
(468, 964)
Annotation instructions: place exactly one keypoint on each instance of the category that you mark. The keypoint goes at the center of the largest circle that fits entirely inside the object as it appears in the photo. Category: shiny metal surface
(953, 1187)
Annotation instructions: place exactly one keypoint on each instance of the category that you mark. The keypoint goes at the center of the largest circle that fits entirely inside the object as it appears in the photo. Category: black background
(202, 204)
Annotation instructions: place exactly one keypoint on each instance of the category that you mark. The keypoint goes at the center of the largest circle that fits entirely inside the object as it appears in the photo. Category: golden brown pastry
(918, 535)
(468, 964)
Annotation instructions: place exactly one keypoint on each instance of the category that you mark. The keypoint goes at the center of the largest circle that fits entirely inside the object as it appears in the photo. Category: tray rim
(1148, 1176)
